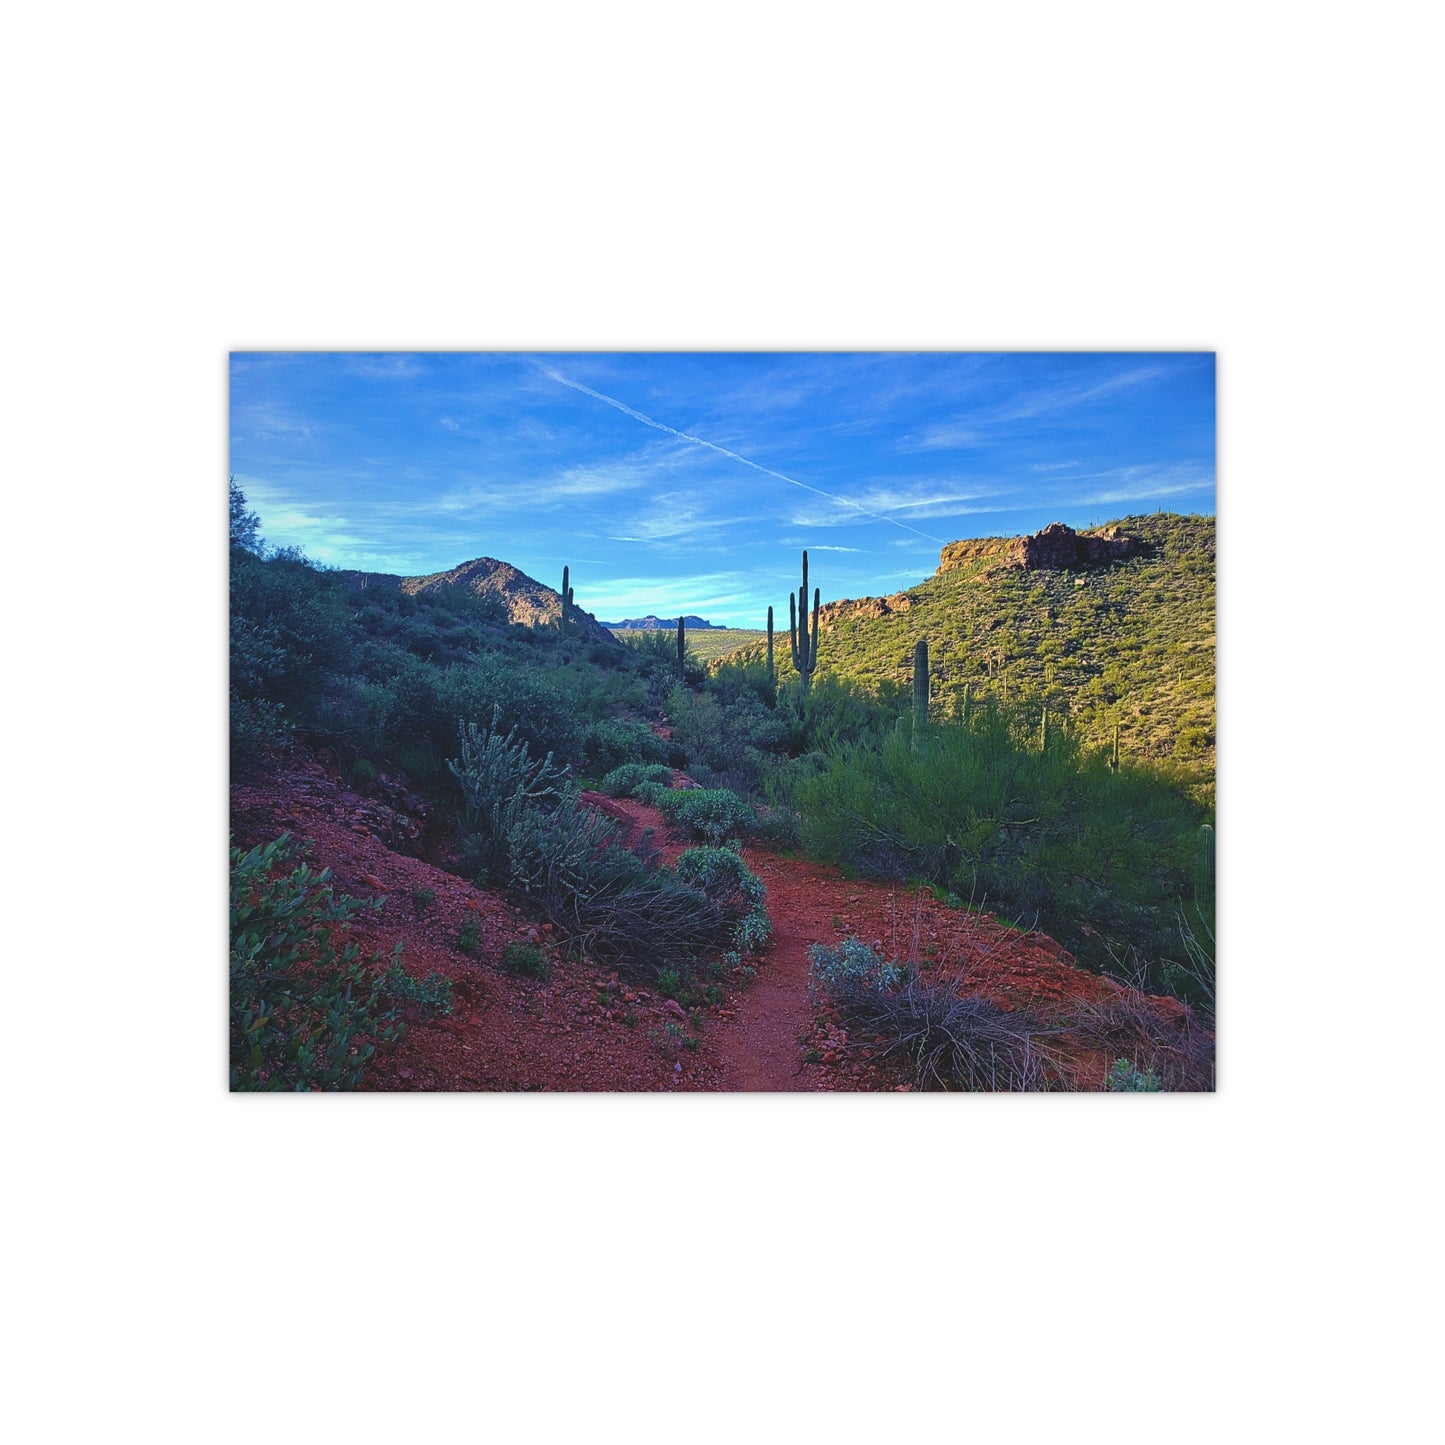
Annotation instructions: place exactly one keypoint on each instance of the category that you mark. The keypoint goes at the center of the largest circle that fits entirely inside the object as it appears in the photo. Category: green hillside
(1129, 643)
(710, 644)
(706, 644)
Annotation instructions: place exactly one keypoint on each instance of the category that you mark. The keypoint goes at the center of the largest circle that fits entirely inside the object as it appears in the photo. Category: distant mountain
(526, 600)
(659, 624)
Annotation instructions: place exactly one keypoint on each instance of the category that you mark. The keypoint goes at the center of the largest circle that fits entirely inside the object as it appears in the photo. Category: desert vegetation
(966, 745)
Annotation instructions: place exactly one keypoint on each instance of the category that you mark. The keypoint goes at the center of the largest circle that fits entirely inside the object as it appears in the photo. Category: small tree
(245, 525)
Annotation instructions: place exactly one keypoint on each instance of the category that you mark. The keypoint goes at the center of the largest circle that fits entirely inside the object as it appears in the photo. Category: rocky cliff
(1057, 548)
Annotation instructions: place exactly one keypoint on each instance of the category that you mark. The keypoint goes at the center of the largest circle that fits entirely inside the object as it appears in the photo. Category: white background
(1255, 179)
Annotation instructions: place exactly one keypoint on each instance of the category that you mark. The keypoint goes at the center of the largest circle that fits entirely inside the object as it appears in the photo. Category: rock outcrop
(832, 613)
(1056, 548)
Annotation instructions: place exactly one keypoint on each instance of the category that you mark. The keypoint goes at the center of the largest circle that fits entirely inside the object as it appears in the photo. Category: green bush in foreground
(723, 876)
(622, 782)
(714, 814)
(308, 1013)
(501, 782)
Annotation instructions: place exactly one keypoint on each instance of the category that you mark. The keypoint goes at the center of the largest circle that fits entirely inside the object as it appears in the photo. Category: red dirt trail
(588, 1029)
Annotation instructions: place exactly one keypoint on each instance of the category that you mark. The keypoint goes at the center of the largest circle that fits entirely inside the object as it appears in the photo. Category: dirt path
(586, 1029)
(772, 1037)
(759, 1048)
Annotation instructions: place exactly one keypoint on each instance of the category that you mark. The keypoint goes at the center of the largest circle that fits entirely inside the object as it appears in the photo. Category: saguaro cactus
(1115, 760)
(566, 600)
(772, 676)
(681, 647)
(1204, 870)
(1044, 730)
(920, 682)
(805, 648)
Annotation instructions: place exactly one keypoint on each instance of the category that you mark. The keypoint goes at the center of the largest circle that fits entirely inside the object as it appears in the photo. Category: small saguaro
(920, 682)
(681, 647)
(771, 674)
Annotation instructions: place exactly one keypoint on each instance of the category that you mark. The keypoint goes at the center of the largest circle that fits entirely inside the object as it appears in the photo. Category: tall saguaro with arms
(805, 647)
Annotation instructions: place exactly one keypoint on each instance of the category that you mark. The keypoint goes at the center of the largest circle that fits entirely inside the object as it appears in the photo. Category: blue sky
(691, 482)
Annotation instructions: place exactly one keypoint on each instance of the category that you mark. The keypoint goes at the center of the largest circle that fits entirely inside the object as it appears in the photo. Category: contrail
(713, 446)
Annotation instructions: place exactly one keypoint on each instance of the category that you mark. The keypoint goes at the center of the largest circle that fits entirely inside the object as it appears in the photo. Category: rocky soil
(587, 1028)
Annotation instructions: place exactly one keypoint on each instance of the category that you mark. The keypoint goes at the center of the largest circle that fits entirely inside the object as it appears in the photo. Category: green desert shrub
(291, 634)
(847, 969)
(778, 827)
(658, 794)
(1099, 859)
(307, 1011)
(526, 960)
(713, 814)
(623, 782)
(725, 878)
(613, 741)
(726, 741)
(501, 785)
(625, 911)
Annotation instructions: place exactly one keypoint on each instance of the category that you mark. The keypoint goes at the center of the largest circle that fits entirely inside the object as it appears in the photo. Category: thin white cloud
(450, 423)
(674, 515)
(920, 499)
(1061, 398)
(1146, 483)
(272, 424)
(723, 451)
(948, 437)
(974, 428)
(572, 484)
(1052, 466)
(384, 366)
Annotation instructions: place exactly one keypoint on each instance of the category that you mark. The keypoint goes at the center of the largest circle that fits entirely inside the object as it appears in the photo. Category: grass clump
(526, 960)
(951, 1040)
(1124, 1078)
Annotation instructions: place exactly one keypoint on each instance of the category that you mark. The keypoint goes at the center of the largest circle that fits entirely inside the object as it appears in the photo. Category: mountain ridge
(652, 623)
(525, 600)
